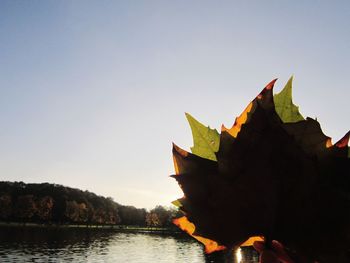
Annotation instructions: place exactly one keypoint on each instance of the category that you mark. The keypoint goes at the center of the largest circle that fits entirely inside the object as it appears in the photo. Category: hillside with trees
(56, 204)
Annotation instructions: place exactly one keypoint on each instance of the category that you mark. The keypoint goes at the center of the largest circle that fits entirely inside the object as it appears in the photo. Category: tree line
(52, 203)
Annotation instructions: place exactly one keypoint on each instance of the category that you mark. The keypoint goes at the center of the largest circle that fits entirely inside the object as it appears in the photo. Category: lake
(107, 246)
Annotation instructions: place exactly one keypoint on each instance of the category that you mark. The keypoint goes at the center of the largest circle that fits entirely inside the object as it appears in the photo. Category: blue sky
(92, 93)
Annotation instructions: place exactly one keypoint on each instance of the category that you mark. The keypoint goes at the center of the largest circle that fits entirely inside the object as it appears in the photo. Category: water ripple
(70, 245)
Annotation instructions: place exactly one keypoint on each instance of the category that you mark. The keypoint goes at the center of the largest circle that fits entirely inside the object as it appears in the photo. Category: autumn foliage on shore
(52, 203)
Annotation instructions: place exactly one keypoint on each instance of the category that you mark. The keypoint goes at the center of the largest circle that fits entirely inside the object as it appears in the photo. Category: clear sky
(92, 93)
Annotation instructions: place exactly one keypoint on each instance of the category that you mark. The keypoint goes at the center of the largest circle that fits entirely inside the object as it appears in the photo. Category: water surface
(107, 246)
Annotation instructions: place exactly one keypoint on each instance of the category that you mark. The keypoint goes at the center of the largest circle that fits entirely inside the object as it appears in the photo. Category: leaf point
(329, 142)
(188, 115)
(239, 121)
(178, 150)
(223, 128)
(343, 142)
(271, 84)
(287, 111)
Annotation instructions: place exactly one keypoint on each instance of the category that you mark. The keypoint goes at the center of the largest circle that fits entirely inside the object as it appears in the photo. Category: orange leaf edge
(210, 245)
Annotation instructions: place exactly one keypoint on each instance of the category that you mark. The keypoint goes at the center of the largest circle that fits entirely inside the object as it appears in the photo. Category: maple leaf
(275, 175)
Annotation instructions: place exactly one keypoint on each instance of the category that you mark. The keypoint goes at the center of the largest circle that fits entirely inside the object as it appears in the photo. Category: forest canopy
(58, 204)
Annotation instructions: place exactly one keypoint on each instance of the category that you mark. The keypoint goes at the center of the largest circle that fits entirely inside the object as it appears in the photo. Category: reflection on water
(80, 245)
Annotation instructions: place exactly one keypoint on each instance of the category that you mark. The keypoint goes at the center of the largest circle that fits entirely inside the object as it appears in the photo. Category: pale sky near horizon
(93, 93)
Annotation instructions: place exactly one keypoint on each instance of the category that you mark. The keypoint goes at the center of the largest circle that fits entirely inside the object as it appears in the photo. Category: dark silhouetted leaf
(277, 178)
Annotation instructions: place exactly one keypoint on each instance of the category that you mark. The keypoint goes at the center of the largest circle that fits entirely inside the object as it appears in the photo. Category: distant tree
(5, 206)
(44, 208)
(152, 220)
(98, 216)
(163, 215)
(83, 212)
(59, 209)
(112, 214)
(131, 215)
(25, 207)
(72, 211)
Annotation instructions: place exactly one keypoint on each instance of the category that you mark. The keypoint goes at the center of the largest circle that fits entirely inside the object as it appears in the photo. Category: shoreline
(127, 228)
